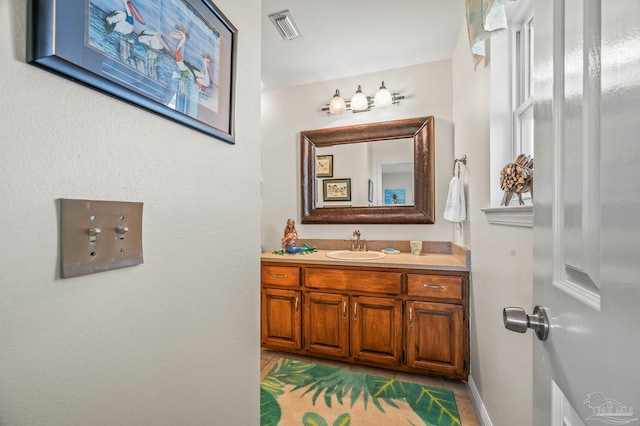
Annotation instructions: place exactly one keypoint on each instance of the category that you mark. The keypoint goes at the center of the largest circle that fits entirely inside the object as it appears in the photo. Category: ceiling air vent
(285, 25)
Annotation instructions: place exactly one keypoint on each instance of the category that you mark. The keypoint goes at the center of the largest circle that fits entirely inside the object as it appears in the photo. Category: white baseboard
(481, 411)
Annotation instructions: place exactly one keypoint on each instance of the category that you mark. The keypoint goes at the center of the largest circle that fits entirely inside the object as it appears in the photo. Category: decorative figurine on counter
(289, 241)
(290, 233)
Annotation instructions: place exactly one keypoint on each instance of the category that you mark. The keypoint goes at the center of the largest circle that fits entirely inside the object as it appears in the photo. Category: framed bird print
(175, 58)
(324, 166)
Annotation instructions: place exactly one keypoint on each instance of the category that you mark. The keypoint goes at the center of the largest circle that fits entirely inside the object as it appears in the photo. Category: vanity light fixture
(383, 97)
(337, 104)
(361, 102)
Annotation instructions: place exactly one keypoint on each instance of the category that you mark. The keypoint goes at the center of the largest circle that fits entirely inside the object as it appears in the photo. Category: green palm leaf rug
(301, 393)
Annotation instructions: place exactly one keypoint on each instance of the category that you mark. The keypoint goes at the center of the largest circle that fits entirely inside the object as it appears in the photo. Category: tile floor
(465, 407)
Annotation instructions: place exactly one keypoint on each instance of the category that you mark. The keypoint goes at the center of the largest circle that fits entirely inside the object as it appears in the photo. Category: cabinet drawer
(362, 281)
(285, 276)
(442, 287)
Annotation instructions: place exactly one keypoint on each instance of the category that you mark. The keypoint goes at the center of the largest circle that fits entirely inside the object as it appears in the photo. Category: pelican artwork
(121, 21)
(154, 40)
(186, 68)
(203, 78)
(155, 43)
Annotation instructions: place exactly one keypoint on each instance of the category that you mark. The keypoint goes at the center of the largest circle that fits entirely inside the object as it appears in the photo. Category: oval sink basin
(355, 255)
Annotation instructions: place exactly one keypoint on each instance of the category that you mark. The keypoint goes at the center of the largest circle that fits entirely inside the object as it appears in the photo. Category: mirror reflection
(380, 172)
(369, 173)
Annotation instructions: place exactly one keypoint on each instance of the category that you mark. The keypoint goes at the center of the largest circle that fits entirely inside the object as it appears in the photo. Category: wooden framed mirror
(420, 211)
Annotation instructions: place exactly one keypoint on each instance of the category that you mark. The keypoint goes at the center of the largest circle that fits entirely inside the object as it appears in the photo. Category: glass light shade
(359, 101)
(383, 97)
(337, 104)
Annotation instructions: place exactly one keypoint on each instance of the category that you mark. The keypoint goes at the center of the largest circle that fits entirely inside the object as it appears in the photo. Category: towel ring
(457, 161)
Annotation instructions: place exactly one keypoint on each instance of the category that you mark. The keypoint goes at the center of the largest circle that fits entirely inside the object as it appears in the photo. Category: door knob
(516, 319)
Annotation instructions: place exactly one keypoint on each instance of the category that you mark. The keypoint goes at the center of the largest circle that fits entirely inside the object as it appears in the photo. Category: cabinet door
(281, 327)
(376, 330)
(435, 338)
(327, 324)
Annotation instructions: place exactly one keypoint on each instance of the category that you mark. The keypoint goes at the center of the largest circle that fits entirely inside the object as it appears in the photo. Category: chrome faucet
(357, 244)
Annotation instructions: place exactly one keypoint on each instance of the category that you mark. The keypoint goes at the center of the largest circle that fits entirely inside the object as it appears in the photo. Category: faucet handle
(363, 245)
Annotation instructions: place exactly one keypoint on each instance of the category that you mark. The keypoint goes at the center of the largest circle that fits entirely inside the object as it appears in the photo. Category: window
(523, 88)
(512, 118)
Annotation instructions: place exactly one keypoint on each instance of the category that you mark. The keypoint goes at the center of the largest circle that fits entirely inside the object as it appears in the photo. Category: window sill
(511, 216)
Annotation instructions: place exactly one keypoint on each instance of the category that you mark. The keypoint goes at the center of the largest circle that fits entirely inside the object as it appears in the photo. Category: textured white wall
(501, 256)
(173, 341)
(288, 111)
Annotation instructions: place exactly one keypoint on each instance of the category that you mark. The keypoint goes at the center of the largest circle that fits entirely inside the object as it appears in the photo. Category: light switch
(93, 234)
(97, 236)
(121, 231)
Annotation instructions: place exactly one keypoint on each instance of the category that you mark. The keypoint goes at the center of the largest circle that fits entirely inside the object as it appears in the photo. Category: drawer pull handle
(355, 311)
(296, 305)
(410, 317)
(344, 310)
(279, 275)
(437, 287)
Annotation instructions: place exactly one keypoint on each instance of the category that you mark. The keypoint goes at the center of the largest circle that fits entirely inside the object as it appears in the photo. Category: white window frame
(522, 87)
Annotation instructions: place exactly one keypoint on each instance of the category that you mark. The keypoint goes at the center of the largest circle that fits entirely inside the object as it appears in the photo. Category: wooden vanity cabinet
(327, 323)
(376, 330)
(437, 331)
(342, 320)
(394, 318)
(363, 328)
(281, 302)
(434, 338)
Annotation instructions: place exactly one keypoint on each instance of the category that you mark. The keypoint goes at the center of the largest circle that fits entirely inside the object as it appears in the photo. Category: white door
(587, 211)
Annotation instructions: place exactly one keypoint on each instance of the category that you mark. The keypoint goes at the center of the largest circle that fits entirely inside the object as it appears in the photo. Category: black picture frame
(175, 58)
(336, 189)
(324, 166)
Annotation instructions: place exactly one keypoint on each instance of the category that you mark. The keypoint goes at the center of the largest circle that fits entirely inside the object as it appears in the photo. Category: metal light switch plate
(97, 236)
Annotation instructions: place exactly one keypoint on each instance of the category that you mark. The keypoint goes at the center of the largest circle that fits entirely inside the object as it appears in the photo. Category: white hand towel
(456, 210)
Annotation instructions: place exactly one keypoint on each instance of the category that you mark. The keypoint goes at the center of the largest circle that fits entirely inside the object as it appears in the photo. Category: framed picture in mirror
(324, 166)
(394, 196)
(336, 189)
